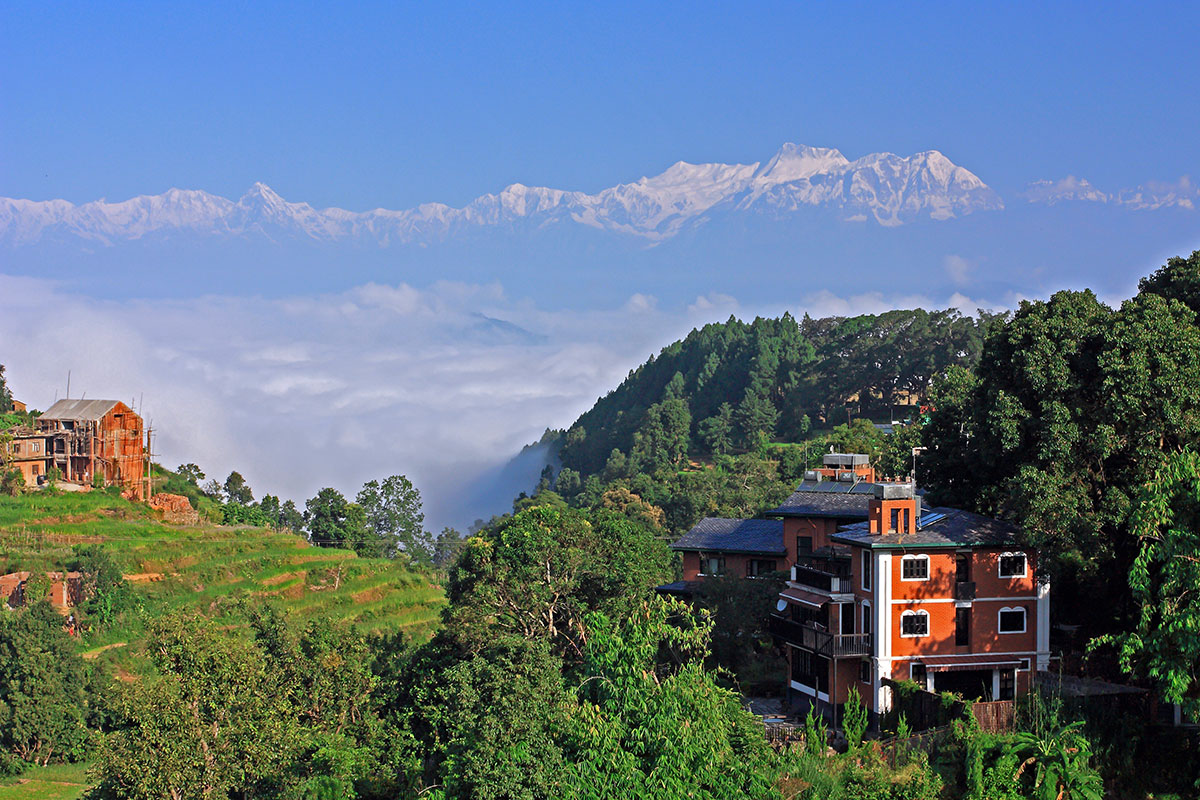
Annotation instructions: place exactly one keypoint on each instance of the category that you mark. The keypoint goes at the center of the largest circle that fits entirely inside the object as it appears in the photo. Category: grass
(55, 782)
(216, 570)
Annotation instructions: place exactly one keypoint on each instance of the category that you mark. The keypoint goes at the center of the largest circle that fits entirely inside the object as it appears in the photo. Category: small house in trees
(939, 596)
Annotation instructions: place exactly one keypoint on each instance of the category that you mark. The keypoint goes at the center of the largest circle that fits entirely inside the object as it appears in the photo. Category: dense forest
(733, 385)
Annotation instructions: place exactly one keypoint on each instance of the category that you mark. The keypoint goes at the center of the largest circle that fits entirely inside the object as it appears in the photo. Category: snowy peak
(795, 162)
(891, 189)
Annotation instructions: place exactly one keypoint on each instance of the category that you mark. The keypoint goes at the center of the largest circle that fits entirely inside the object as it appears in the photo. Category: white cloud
(443, 383)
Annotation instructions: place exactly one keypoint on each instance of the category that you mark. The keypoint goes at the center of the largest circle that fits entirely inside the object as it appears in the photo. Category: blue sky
(252, 356)
(362, 105)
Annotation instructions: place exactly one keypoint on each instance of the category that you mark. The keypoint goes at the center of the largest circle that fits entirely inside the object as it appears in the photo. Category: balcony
(804, 635)
(964, 591)
(832, 579)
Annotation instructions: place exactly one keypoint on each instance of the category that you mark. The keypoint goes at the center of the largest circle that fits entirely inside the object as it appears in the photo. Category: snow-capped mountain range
(882, 187)
(1184, 193)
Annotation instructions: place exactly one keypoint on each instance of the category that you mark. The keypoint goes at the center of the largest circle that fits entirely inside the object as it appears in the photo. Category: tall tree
(237, 491)
(6, 398)
(334, 522)
(1164, 578)
(394, 517)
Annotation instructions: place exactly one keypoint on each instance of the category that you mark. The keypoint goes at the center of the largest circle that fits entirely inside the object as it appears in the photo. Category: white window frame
(911, 613)
(1024, 619)
(866, 617)
(913, 558)
(867, 569)
(1000, 565)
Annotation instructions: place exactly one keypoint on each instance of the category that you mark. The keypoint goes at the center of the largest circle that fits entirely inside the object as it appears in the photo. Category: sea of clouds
(444, 383)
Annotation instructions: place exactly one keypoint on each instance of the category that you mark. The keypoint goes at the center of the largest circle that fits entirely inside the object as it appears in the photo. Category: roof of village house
(79, 409)
(944, 527)
(734, 536)
(827, 499)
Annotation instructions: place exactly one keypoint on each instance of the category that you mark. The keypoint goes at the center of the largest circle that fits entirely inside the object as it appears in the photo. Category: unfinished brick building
(89, 438)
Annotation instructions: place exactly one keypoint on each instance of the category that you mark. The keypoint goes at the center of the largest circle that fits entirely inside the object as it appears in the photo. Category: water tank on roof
(812, 475)
(846, 477)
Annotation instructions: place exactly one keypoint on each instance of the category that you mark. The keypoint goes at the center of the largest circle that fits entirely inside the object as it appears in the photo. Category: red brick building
(939, 596)
(89, 438)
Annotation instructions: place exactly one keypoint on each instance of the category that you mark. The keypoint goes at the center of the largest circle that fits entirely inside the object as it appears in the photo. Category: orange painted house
(939, 596)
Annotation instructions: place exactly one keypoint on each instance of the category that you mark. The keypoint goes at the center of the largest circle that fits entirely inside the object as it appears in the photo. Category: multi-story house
(939, 596)
(829, 496)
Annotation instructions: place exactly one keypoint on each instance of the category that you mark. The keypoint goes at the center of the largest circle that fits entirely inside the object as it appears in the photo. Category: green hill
(729, 384)
(208, 568)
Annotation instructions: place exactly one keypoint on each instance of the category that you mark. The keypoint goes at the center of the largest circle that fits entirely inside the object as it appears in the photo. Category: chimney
(893, 509)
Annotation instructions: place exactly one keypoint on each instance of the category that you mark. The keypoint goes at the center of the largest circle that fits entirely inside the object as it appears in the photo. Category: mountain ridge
(890, 189)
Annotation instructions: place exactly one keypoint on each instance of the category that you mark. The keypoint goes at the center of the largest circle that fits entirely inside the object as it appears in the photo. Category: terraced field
(215, 569)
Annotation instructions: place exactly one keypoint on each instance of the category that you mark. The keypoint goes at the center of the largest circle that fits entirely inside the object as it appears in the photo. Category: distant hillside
(728, 385)
(209, 568)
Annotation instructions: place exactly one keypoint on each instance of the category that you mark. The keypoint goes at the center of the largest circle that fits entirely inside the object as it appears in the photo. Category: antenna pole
(68, 385)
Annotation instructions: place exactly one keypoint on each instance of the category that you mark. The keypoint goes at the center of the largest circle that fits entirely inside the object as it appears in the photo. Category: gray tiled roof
(79, 409)
(955, 528)
(827, 499)
(734, 536)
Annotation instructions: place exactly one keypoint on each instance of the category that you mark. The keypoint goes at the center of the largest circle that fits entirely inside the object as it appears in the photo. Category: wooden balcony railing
(806, 636)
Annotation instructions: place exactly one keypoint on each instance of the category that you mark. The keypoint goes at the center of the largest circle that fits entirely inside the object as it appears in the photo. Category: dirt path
(92, 655)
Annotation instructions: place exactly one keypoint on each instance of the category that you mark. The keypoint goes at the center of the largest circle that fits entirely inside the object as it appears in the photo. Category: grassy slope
(56, 782)
(211, 569)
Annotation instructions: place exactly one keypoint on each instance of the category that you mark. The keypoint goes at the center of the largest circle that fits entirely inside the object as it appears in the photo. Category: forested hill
(731, 385)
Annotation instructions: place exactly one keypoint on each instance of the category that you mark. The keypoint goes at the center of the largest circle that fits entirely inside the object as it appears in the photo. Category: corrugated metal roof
(956, 528)
(734, 536)
(79, 409)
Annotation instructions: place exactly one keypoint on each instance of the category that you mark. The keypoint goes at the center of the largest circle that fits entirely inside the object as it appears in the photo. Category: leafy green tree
(536, 574)
(652, 722)
(447, 547)
(568, 483)
(43, 702)
(756, 417)
(1164, 647)
(105, 592)
(717, 431)
(1059, 764)
(211, 725)
(290, 517)
(237, 491)
(332, 522)
(190, 473)
(395, 518)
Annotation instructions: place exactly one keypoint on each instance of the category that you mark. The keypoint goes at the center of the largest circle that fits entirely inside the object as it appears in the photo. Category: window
(804, 545)
(35, 446)
(917, 674)
(914, 623)
(864, 671)
(35, 469)
(1008, 684)
(895, 521)
(846, 614)
(962, 627)
(914, 568)
(1012, 565)
(866, 570)
(757, 567)
(1012, 620)
(16, 447)
(866, 617)
(712, 565)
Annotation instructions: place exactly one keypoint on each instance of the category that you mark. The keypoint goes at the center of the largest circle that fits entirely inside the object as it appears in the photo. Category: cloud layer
(444, 383)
